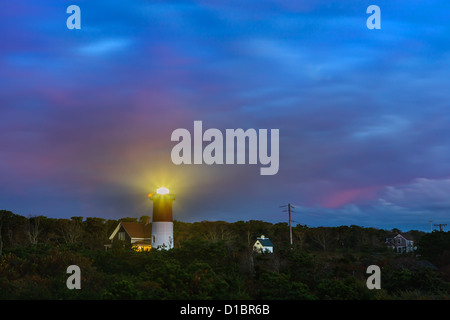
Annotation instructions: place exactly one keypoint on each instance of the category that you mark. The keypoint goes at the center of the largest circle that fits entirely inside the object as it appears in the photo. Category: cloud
(87, 116)
(405, 206)
(388, 125)
(422, 193)
(104, 47)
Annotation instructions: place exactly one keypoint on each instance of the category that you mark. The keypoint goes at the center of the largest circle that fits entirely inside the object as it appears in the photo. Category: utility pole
(431, 225)
(441, 226)
(290, 208)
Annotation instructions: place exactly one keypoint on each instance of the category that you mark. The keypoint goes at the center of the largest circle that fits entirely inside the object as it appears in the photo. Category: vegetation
(215, 260)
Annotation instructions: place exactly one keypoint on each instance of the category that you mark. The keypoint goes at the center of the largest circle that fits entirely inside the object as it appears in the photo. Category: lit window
(121, 236)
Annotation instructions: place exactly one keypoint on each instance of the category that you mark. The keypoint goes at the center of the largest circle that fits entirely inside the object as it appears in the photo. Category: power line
(441, 226)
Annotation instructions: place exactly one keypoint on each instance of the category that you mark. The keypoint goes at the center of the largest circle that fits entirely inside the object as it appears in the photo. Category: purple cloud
(86, 116)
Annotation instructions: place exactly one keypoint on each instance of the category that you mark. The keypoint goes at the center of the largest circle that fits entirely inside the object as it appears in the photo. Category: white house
(401, 243)
(263, 244)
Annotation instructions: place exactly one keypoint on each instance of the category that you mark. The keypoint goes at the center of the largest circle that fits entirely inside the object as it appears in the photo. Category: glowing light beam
(162, 190)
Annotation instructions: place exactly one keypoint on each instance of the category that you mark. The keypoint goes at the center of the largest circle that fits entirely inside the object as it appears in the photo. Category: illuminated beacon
(162, 222)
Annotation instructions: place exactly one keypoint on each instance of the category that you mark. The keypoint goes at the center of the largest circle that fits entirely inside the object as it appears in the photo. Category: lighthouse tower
(162, 222)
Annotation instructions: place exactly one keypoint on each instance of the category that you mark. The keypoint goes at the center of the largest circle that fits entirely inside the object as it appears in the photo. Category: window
(121, 236)
(153, 238)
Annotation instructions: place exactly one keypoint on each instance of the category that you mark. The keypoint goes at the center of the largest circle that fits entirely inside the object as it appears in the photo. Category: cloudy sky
(86, 115)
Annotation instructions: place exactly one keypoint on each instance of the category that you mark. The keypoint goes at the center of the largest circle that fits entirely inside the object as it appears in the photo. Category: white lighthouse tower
(162, 222)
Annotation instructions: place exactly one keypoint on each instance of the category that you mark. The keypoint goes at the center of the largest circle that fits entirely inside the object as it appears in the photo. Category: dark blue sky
(86, 115)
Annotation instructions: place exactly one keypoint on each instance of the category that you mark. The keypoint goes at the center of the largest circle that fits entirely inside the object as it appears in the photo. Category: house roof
(392, 242)
(405, 235)
(137, 230)
(134, 230)
(265, 242)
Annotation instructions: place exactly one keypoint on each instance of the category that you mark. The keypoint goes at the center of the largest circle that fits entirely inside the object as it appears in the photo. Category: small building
(134, 233)
(263, 245)
(401, 243)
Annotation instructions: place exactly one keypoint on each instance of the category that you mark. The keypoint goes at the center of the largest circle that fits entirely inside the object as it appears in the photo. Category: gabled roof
(404, 235)
(392, 242)
(265, 242)
(134, 230)
(138, 230)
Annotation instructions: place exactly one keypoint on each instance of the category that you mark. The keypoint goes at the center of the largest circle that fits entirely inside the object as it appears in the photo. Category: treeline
(215, 260)
(93, 233)
(19, 231)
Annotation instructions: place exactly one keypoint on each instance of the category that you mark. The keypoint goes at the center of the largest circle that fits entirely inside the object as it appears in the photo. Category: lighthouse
(162, 222)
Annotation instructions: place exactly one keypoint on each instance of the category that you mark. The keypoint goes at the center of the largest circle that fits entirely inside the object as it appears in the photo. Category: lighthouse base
(162, 235)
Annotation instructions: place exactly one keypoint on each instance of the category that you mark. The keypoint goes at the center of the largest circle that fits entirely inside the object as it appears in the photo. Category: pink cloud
(349, 196)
